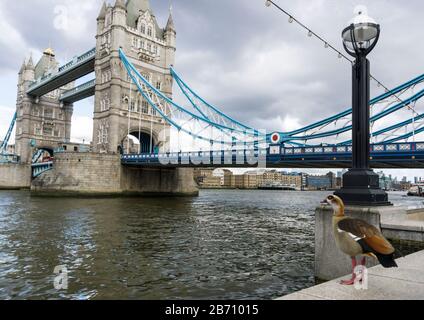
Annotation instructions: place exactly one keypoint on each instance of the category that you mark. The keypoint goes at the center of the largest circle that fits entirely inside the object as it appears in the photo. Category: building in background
(210, 178)
(321, 182)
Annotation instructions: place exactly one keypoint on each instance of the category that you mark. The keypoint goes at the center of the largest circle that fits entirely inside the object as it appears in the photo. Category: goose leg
(352, 280)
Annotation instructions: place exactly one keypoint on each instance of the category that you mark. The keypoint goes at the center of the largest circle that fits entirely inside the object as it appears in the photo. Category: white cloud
(82, 129)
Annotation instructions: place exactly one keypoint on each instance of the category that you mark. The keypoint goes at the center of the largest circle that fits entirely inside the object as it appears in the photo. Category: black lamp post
(361, 184)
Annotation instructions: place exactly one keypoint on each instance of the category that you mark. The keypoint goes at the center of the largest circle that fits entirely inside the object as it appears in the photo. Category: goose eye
(330, 197)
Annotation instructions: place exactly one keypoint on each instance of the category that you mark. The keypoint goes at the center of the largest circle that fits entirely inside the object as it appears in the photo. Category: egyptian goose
(358, 238)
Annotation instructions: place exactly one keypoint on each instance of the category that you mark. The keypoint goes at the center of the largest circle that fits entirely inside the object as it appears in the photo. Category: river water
(224, 244)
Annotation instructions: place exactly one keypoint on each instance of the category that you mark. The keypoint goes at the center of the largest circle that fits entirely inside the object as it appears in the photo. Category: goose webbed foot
(351, 281)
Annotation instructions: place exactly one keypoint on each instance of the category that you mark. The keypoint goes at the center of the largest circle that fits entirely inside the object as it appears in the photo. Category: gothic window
(103, 133)
(149, 31)
(48, 113)
(105, 103)
(155, 49)
(149, 47)
(37, 130)
(106, 39)
(47, 130)
(143, 28)
(153, 111)
(145, 107)
(134, 42)
(158, 85)
(36, 112)
(106, 76)
(132, 106)
(142, 44)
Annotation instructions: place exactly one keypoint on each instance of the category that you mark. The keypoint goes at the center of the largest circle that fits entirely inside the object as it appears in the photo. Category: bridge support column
(361, 187)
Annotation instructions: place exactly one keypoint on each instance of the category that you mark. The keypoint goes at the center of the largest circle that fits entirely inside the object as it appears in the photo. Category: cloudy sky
(239, 54)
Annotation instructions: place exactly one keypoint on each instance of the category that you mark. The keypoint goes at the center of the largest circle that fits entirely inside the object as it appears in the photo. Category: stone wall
(102, 174)
(15, 176)
(159, 181)
(80, 173)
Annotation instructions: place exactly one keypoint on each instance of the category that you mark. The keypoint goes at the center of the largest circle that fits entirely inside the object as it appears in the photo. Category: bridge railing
(70, 65)
(374, 148)
(273, 152)
(9, 158)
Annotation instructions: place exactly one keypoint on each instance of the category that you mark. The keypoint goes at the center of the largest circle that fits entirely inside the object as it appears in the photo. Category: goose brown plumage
(356, 238)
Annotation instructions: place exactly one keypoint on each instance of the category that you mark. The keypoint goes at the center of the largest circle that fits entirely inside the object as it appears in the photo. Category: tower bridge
(132, 85)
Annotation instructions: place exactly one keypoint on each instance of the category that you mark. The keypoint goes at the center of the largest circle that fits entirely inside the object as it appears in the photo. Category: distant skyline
(240, 55)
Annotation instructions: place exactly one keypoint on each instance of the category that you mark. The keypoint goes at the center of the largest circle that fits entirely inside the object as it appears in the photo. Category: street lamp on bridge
(361, 184)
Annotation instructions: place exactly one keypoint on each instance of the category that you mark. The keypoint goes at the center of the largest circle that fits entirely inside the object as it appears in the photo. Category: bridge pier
(15, 176)
(95, 174)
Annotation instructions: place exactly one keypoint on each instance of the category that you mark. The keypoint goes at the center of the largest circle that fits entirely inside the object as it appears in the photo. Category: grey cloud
(214, 36)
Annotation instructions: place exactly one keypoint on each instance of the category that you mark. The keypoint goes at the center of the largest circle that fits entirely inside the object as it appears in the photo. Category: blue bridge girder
(79, 67)
(383, 156)
(81, 92)
(40, 168)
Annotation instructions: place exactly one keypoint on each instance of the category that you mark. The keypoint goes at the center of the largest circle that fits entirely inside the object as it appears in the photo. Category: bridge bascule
(133, 97)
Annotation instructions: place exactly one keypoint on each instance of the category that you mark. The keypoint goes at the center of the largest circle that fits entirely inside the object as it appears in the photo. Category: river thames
(224, 244)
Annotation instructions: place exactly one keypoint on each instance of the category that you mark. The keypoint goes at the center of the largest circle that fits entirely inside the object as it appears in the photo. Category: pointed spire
(102, 14)
(30, 64)
(170, 24)
(23, 67)
(120, 4)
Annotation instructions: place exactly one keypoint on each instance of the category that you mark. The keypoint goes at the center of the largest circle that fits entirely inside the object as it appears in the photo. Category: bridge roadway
(81, 92)
(75, 69)
(387, 156)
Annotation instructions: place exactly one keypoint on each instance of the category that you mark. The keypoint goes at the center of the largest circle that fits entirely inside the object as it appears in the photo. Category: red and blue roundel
(275, 138)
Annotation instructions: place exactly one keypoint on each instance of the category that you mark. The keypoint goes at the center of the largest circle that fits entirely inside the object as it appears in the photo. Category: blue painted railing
(275, 153)
(40, 168)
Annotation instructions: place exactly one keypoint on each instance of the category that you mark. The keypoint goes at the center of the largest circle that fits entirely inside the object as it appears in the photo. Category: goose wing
(370, 234)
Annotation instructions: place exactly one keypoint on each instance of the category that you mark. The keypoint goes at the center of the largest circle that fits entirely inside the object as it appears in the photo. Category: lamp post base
(361, 187)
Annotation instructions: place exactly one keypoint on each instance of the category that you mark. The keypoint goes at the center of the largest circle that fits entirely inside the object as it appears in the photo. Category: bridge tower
(119, 109)
(42, 122)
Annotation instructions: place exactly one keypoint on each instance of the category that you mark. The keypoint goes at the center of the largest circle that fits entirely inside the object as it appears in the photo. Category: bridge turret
(120, 13)
(170, 37)
(28, 72)
(22, 69)
(101, 18)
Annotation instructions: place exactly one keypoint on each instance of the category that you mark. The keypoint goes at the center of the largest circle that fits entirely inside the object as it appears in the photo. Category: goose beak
(324, 201)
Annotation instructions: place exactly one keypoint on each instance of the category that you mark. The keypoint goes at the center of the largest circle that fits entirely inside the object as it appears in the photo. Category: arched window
(150, 31)
(143, 28)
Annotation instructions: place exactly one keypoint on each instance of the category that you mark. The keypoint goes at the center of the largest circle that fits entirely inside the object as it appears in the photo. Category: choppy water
(221, 245)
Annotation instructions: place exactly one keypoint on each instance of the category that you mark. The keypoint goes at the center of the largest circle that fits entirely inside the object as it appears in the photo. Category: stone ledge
(403, 283)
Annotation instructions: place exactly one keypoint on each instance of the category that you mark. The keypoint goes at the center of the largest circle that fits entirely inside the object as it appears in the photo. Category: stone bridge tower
(42, 122)
(131, 26)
